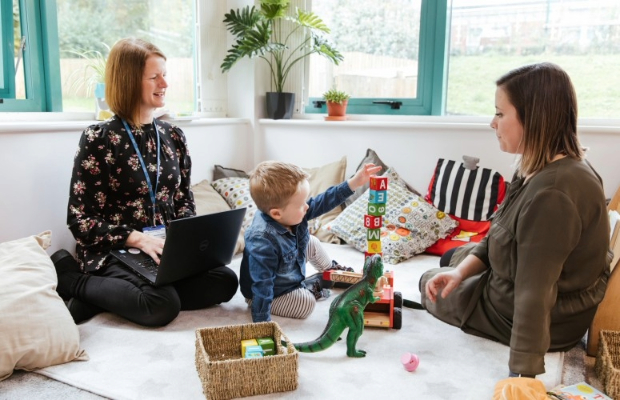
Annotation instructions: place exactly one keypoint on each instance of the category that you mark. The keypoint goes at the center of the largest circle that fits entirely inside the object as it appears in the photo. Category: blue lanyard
(146, 172)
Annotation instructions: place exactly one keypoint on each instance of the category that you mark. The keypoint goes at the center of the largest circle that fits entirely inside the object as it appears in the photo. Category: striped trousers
(300, 302)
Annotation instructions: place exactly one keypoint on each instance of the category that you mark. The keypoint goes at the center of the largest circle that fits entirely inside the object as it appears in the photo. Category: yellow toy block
(245, 344)
(374, 246)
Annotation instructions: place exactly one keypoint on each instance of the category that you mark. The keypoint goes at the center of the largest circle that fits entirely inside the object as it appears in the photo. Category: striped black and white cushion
(468, 194)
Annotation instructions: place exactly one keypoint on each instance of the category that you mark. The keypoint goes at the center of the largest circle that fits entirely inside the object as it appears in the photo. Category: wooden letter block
(378, 182)
(377, 196)
(376, 209)
(373, 234)
(367, 254)
(374, 247)
(372, 222)
(247, 343)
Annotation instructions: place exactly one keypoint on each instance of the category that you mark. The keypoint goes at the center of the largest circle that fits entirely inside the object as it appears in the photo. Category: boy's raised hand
(363, 175)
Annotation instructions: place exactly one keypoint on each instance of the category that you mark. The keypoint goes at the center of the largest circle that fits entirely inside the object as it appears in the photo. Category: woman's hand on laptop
(151, 245)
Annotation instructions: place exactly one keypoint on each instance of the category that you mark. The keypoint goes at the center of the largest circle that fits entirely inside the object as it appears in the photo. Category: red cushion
(467, 231)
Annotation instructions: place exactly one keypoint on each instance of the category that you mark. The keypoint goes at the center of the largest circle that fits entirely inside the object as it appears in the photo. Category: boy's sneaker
(319, 292)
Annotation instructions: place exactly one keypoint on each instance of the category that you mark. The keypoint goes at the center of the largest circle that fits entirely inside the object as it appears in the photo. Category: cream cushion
(36, 329)
(321, 179)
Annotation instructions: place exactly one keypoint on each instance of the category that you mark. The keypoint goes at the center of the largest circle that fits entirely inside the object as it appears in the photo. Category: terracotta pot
(337, 109)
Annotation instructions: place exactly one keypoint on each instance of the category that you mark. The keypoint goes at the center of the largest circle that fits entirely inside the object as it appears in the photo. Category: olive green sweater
(547, 250)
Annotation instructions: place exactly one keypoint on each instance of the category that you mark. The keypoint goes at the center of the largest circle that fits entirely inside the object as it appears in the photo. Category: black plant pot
(280, 105)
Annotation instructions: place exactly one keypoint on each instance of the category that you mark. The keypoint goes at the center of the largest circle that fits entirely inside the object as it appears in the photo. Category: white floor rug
(131, 362)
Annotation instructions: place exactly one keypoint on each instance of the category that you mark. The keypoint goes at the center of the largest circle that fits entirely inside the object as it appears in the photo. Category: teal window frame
(7, 73)
(41, 58)
(432, 71)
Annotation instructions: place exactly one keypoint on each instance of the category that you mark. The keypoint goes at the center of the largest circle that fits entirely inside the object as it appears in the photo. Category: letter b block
(378, 183)
(376, 209)
(378, 196)
(372, 222)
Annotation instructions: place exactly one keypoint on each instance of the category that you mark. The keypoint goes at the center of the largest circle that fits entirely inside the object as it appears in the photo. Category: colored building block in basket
(268, 346)
(253, 352)
(374, 246)
(245, 344)
(372, 222)
(375, 209)
(377, 196)
(373, 235)
(378, 182)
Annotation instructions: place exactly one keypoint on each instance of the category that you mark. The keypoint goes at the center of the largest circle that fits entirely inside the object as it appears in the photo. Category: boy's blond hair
(273, 183)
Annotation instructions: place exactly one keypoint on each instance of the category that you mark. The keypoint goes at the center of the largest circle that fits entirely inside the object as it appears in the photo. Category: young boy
(277, 243)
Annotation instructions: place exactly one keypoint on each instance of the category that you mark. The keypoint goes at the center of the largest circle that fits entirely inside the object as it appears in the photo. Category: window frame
(432, 71)
(40, 60)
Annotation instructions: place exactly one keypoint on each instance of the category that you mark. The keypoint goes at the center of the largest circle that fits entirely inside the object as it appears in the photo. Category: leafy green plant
(335, 96)
(92, 73)
(260, 33)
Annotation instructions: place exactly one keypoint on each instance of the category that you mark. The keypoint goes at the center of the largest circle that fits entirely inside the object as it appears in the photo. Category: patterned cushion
(469, 195)
(236, 192)
(472, 194)
(410, 224)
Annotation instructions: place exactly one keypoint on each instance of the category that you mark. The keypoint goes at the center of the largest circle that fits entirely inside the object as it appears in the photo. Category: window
(394, 52)
(52, 48)
(87, 29)
(28, 68)
(489, 38)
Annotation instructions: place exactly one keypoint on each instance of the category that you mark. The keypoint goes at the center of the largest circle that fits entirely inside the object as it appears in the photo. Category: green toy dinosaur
(347, 310)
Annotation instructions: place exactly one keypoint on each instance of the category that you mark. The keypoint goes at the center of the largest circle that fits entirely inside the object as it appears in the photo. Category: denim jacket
(274, 259)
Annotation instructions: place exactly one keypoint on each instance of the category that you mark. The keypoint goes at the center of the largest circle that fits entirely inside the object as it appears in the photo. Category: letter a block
(378, 183)
(372, 222)
(377, 196)
(376, 209)
(373, 234)
(374, 247)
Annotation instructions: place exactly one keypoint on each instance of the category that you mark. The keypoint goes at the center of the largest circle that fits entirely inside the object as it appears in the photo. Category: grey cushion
(371, 157)
(220, 172)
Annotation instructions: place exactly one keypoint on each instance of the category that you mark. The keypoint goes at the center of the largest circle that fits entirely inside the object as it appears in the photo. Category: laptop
(193, 245)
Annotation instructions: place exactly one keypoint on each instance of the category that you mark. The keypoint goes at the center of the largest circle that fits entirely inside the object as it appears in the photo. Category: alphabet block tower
(373, 220)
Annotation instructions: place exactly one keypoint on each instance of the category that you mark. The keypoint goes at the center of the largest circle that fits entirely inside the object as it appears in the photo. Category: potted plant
(336, 101)
(266, 33)
(92, 75)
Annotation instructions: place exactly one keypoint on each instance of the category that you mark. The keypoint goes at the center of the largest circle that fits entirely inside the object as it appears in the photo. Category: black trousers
(118, 290)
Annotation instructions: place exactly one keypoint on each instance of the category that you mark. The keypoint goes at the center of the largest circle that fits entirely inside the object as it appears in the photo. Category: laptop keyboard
(149, 264)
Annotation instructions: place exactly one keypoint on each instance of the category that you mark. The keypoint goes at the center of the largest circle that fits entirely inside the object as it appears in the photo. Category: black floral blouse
(109, 194)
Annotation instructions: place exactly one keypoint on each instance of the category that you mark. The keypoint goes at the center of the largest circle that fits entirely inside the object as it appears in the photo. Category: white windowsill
(430, 122)
(62, 122)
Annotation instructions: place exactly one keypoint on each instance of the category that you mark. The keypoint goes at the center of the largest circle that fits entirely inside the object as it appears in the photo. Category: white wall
(413, 146)
(36, 160)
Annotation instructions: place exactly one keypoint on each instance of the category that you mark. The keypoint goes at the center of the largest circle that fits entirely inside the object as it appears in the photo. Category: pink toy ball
(410, 361)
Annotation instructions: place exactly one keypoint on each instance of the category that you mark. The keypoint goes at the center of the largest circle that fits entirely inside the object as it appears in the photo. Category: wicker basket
(225, 375)
(608, 361)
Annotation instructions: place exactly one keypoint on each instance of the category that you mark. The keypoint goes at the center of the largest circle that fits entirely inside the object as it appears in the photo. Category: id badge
(156, 231)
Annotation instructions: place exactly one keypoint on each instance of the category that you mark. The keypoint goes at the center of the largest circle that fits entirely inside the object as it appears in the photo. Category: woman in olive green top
(535, 281)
